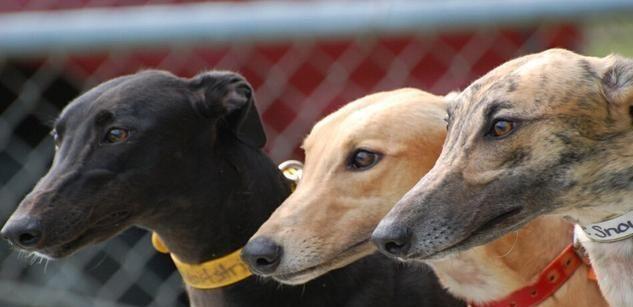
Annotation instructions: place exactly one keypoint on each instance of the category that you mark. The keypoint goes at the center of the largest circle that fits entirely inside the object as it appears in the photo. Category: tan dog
(545, 133)
(356, 167)
(359, 161)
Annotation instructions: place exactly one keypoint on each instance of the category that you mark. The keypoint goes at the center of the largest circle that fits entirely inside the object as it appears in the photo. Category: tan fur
(569, 154)
(328, 189)
(334, 208)
(493, 271)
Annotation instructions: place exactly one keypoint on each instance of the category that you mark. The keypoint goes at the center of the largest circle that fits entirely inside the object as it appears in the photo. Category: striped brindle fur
(569, 152)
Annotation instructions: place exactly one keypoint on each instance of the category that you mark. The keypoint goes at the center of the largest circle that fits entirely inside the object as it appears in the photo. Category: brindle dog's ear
(228, 97)
(617, 83)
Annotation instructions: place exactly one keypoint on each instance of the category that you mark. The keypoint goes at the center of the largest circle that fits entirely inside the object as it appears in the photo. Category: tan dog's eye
(363, 159)
(116, 135)
(501, 128)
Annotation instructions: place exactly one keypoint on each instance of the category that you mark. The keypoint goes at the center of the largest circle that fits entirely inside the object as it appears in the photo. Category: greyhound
(548, 133)
(181, 157)
(359, 161)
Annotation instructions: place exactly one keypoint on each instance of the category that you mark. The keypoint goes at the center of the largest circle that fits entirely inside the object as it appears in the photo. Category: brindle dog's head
(123, 150)
(545, 133)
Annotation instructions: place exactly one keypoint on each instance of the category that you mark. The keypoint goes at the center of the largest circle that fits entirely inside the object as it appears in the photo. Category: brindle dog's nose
(24, 233)
(262, 255)
(393, 241)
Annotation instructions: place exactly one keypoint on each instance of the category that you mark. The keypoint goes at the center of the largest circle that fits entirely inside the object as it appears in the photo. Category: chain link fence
(297, 82)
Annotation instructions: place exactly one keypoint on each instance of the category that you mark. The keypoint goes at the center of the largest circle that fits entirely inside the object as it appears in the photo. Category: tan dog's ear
(617, 83)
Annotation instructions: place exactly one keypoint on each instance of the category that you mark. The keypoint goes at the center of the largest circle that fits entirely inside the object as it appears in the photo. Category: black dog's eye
(116, 135)
(501, 127)
(363, 159)
(56, 139)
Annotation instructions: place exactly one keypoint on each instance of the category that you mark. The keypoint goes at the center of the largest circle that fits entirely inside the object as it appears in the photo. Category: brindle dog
(182, 157)
(545, 133)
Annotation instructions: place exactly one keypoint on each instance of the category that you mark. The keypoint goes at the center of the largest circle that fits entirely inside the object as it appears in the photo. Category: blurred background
(305, 59)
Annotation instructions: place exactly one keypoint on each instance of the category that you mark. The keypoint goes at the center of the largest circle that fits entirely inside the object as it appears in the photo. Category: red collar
(551, 279)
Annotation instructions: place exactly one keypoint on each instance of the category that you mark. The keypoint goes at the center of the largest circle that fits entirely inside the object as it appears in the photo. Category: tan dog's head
(545, 133)
(359, 161)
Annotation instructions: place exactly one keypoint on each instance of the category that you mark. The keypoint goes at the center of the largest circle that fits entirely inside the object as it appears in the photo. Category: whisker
(34, 258)
(49, 121)
(103, 258)
(22, 255)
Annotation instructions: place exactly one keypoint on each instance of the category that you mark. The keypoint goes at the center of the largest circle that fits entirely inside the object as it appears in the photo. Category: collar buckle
(293, 171)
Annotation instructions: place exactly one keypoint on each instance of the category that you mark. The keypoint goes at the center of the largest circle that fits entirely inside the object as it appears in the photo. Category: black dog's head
(123, 149)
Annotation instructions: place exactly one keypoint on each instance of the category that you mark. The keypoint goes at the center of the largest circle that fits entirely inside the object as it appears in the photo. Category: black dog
(183, 158)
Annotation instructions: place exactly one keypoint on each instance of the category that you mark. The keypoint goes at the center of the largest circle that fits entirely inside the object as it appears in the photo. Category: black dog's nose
(24, 233)
(262, 255)
(394, 241)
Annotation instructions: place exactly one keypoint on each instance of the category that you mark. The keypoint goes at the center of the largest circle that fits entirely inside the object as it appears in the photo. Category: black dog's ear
(617, 84)
(228, 97)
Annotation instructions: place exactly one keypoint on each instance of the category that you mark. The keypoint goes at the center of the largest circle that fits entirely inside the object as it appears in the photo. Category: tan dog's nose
(25, 232)
(394, 241)
(262, 255)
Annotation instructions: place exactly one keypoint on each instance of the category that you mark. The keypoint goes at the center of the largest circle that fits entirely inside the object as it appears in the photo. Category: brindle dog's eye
(501, 128)
(116, 135)
(363, 159)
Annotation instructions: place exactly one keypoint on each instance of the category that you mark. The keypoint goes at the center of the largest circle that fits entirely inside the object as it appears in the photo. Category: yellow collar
(229, 269)
(212, 274)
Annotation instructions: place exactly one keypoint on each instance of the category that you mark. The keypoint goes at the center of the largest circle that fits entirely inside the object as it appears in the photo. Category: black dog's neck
(232, 192)
(235, 189)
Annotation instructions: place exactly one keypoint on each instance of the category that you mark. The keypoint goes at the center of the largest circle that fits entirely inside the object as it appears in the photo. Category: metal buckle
(578, 248)
(292, 170)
